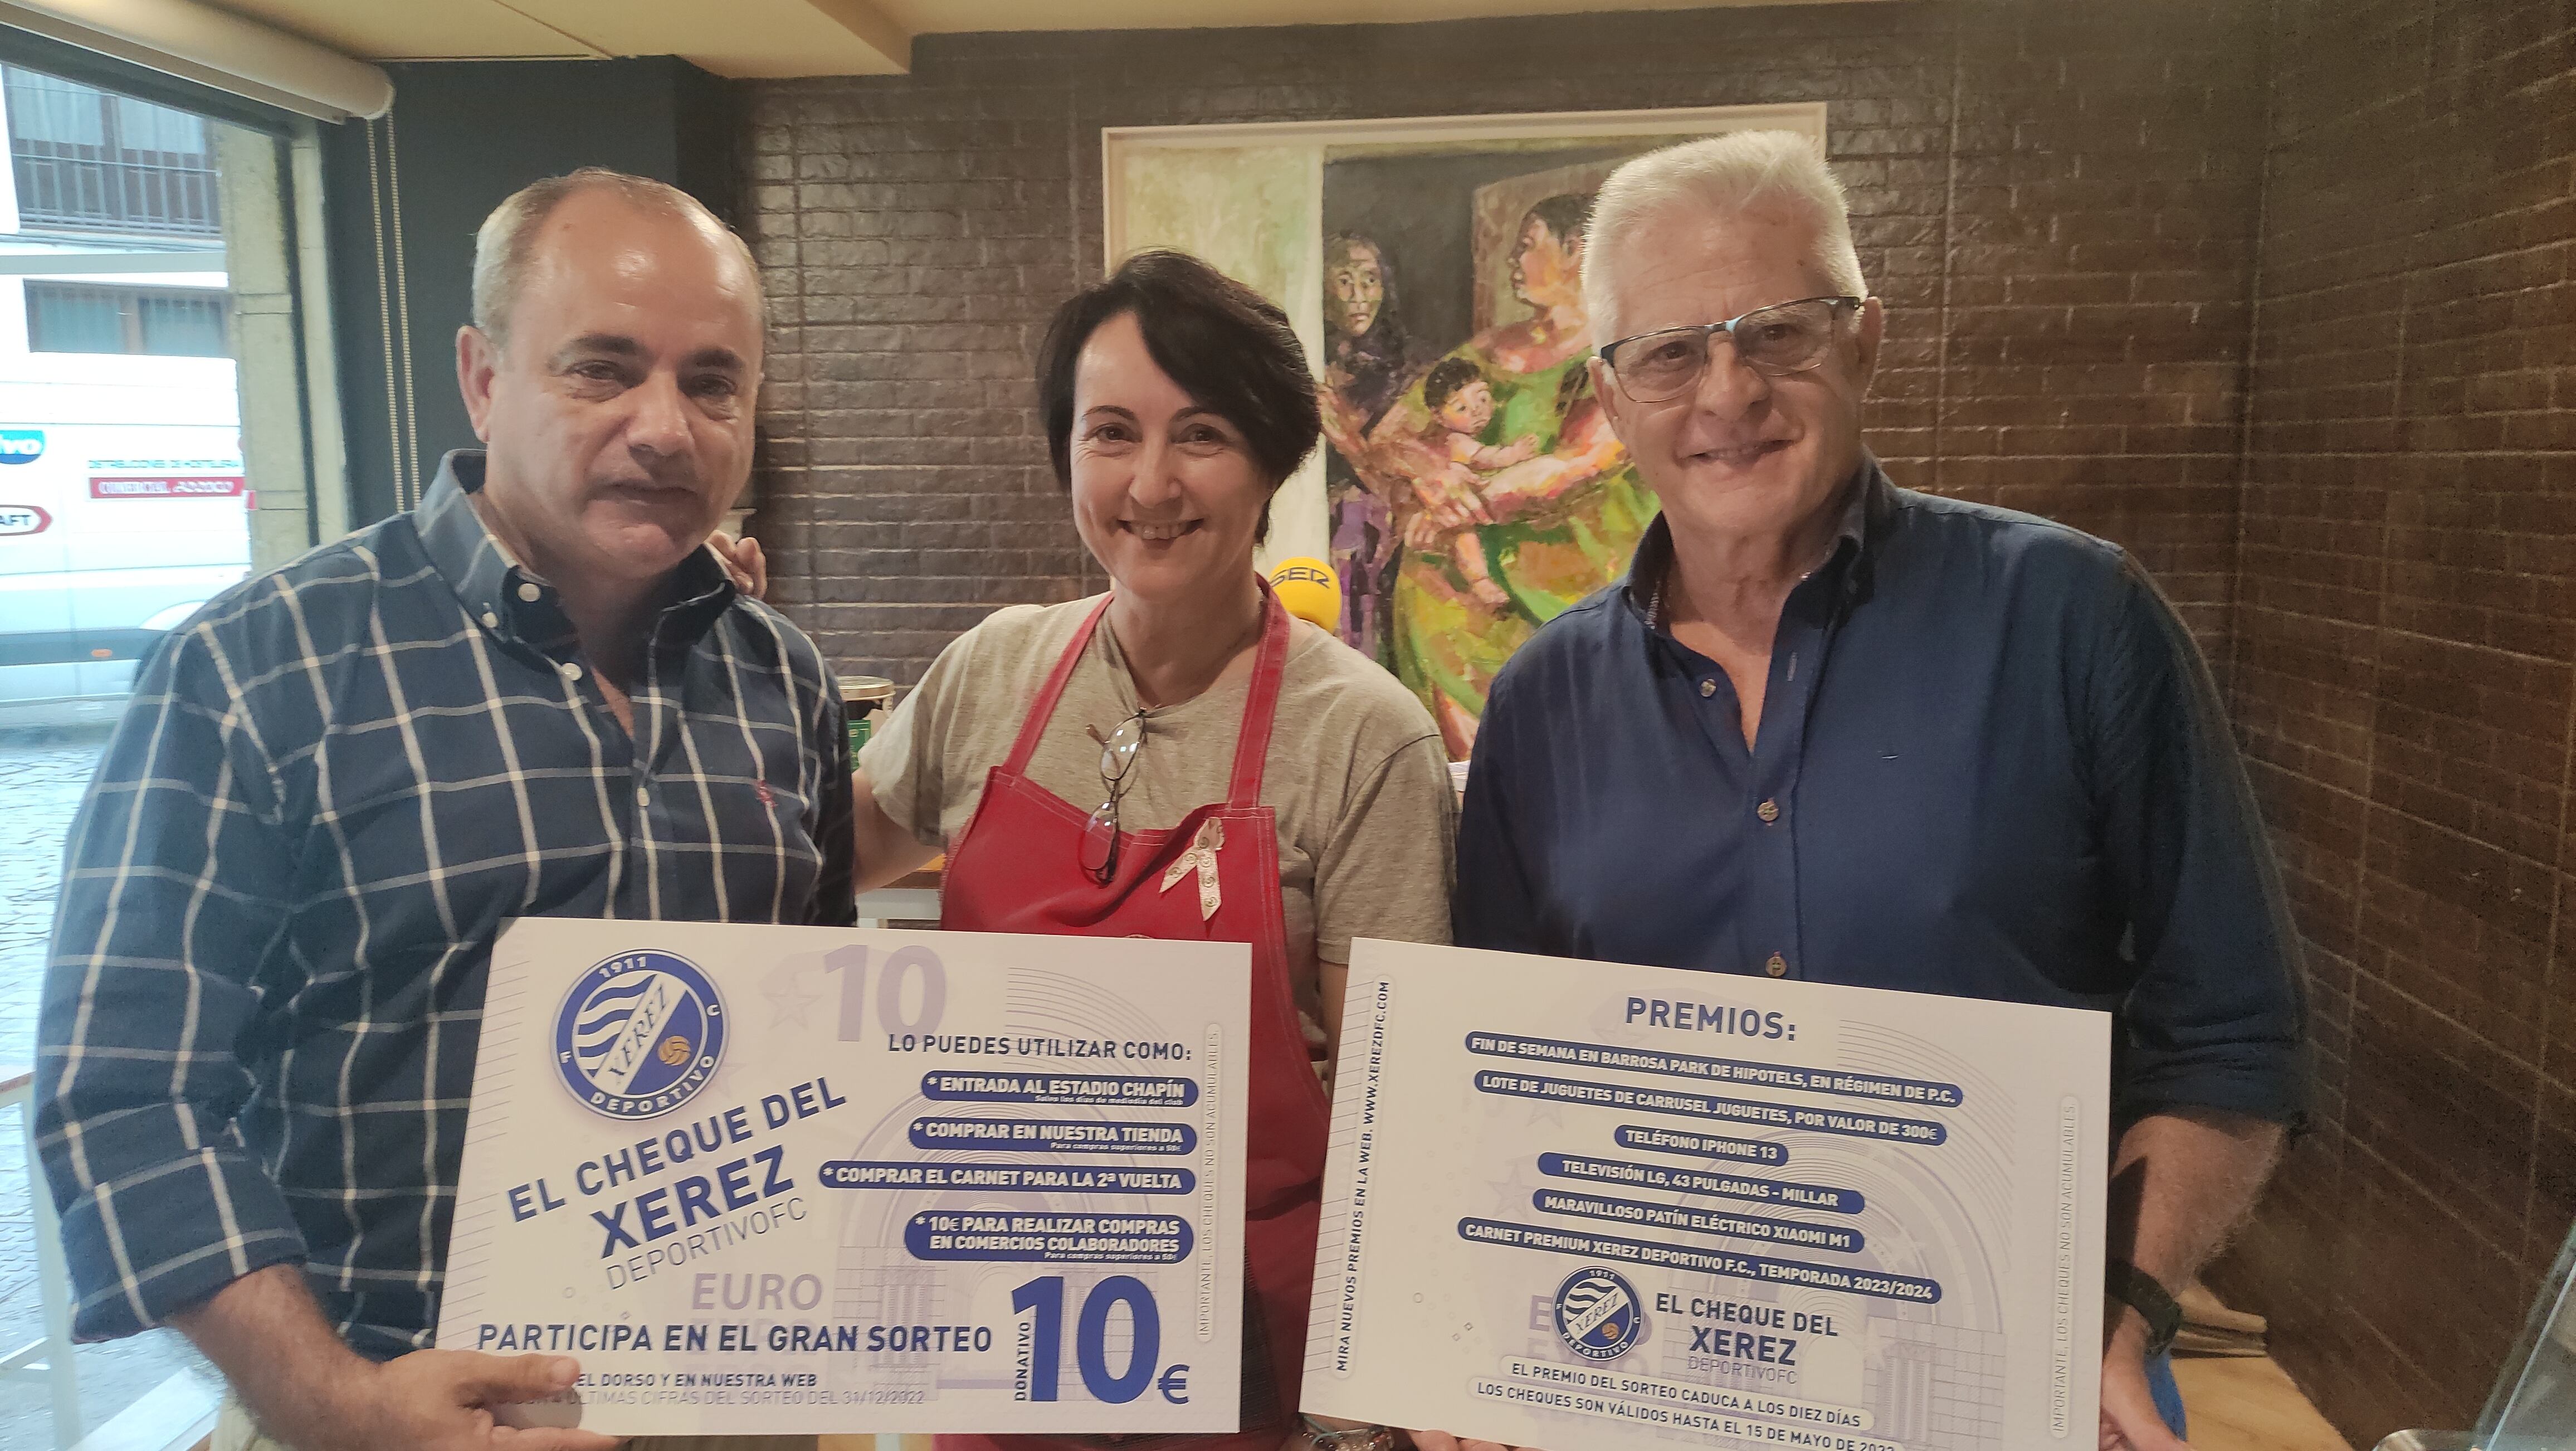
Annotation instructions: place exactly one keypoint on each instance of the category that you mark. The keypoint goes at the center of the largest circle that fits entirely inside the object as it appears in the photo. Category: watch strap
(1346, 1438)
(2141, 1292)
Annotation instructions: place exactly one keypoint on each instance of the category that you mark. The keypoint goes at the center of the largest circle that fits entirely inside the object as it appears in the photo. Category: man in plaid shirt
(536, 694)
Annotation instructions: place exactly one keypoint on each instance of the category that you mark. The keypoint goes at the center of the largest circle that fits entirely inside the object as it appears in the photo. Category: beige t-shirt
(1356, 776)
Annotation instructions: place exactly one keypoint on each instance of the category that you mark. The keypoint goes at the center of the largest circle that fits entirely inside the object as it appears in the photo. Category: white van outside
(123, 502)
(110, 534)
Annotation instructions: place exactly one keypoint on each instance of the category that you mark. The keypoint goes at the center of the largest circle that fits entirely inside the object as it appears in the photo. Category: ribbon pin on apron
(1201, 858)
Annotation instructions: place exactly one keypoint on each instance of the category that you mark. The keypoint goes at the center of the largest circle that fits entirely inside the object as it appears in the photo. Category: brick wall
(2059, 208)
(2062, 205)
(2405, 641)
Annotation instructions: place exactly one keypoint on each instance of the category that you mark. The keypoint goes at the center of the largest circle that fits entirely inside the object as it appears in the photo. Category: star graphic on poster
(1532, 1113)
(1897, 1247)
(1512, 1196)
(793, 987)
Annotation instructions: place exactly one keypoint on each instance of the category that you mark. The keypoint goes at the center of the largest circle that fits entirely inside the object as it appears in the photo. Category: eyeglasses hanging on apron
(1117, 757)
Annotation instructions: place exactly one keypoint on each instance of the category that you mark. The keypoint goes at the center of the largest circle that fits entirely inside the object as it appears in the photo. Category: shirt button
(530, 593)
(1778, 966)
(571, 671)
(1769, 811)
(1707, 688)
(643, 797)
(491, 621)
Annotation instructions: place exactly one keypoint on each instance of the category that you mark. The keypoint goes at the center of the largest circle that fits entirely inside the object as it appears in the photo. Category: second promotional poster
(1581, 1204)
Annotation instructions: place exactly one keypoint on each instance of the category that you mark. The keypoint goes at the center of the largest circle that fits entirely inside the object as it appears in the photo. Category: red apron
(1018, 868)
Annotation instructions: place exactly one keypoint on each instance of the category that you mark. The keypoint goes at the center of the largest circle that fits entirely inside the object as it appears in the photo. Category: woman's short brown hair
(1231, 349)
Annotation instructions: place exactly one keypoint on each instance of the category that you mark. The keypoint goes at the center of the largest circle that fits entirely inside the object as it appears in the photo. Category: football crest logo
(639, 1034)
(1597, 1314)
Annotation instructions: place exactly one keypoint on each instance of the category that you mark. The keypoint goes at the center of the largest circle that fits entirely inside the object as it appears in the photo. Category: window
(88, 161)
(84, 317)
(137, 497)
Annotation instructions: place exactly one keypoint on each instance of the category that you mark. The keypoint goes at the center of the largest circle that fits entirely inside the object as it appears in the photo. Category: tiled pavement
(41, 776)
(42, 773)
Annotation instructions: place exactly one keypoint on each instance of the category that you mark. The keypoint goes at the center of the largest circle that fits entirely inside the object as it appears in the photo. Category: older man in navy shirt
(1832, 730)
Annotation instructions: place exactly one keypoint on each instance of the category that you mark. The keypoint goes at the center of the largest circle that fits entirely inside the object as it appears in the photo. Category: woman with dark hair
(1068, 757)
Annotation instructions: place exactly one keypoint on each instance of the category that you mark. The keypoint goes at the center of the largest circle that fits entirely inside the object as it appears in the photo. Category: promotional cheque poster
(795, 1180)
(1577, 1204)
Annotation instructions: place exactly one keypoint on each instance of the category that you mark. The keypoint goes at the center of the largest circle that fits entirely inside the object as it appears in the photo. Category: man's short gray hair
(1723, 176)
(508, 237)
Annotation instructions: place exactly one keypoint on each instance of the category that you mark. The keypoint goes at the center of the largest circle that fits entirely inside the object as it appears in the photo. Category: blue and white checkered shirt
(331, 790)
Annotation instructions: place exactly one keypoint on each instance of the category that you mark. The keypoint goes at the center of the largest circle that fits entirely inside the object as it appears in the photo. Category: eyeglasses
(1784, 338)
(1100, 837)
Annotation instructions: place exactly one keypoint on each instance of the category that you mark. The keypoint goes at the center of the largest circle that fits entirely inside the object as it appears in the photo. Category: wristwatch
(2139, 1291)
(1354, 1438)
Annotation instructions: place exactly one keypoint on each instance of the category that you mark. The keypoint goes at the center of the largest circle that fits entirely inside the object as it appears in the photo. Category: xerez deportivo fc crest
(639, 1034)
(1597, 1314)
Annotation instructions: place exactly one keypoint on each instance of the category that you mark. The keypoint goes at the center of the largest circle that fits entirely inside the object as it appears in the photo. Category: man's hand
(743, 560)
(2181, 1181)
(2130, 1421)
(442, 1400)
(308, 1390)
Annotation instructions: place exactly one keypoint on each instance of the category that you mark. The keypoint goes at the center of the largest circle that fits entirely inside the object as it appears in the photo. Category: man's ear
(1873, 330)
(476, 361)
(1605, 386)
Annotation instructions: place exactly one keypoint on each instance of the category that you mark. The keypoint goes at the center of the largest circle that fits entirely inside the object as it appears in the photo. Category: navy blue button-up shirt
(1990, 763)
(330, 792)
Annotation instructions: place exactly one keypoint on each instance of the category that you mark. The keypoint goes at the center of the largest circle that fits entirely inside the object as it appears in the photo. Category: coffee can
(862, 696)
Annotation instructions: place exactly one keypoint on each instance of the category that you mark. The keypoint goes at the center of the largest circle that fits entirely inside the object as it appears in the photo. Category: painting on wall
(1470, 488)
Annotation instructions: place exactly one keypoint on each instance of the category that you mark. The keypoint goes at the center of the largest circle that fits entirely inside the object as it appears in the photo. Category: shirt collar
(517, 603)
(1865, 502)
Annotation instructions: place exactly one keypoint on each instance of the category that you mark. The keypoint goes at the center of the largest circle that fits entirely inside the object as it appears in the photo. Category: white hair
(1722, 176)
(508, 237)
